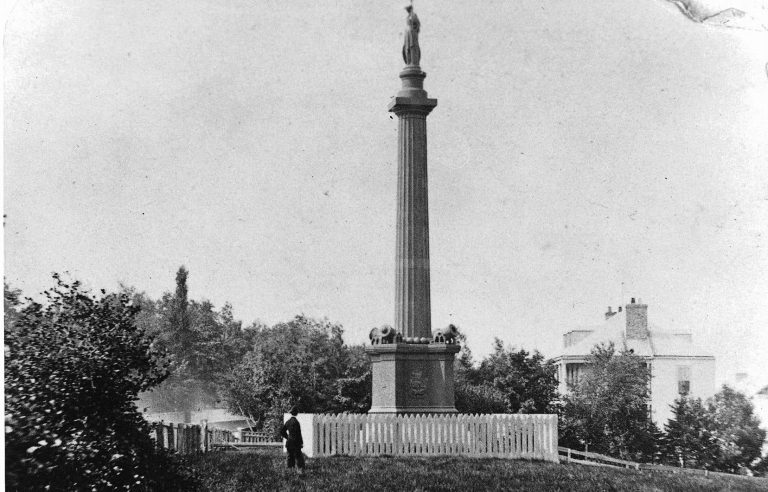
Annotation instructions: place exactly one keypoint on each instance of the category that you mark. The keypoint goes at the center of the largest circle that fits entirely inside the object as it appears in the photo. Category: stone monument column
(412, 367)
(412, 296)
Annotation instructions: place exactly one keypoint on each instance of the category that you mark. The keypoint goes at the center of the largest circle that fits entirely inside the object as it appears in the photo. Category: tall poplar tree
(178, 320)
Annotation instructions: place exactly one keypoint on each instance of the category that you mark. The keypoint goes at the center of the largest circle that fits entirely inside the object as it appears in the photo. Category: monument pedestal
(412, 378)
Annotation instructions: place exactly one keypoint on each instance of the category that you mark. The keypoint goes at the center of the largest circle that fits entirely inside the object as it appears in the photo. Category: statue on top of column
(411, 50)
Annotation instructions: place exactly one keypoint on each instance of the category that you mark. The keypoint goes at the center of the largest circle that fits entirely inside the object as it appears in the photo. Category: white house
(677, 365)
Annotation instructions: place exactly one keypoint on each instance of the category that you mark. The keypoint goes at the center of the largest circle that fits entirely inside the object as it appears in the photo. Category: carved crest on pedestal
(417, 384)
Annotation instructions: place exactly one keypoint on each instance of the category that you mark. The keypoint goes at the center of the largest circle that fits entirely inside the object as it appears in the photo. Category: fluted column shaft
(412, 297)
(413, 317)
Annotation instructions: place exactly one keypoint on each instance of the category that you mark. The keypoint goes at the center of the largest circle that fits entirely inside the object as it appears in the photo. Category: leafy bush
(74, 367)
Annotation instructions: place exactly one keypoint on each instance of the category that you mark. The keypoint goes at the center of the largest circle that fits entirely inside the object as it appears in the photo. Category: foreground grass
(265, 470)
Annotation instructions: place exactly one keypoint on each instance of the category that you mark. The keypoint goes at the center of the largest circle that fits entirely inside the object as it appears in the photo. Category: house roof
(659, 343)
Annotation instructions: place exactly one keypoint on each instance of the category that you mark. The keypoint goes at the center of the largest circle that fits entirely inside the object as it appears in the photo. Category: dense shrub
(73, 369)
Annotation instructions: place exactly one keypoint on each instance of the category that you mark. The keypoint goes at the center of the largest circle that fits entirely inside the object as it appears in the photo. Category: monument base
(412, 378)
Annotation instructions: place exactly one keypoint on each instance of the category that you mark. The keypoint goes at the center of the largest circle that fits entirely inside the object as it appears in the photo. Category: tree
(526, 381)
(204, 346)
(74, 367)
(471, 394)
(353, 389)
(607, 409)
(178, 336)
(689, 440)
(723, 435)
(303, 362)
(507, 381)
(737, 430)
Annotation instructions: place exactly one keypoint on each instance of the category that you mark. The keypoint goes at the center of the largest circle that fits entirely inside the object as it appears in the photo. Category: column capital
(412, 98)
(413, 105)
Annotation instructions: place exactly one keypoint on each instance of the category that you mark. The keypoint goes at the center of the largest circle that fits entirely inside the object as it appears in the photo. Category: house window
(683, 379)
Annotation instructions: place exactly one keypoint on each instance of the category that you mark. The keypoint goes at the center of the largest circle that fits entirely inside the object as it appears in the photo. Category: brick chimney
(610, 312)
(637, 320)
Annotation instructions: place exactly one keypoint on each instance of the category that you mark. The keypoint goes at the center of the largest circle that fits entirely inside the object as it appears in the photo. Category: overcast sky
(581, 153)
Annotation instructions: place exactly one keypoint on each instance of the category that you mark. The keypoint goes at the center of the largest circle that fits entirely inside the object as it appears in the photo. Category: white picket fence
(493, 435)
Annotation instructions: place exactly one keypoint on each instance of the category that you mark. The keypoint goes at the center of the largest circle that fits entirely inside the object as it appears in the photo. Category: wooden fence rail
(189, 438)
(588, 458)
(267, 438)
(496, 435)
(594, 459)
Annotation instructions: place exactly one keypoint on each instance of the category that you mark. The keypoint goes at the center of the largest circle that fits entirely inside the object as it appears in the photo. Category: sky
(581, 153)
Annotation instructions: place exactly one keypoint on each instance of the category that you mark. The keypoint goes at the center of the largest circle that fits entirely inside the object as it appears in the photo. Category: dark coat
(291, 432)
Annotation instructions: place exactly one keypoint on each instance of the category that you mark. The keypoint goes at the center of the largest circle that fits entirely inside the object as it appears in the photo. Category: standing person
(291, 432)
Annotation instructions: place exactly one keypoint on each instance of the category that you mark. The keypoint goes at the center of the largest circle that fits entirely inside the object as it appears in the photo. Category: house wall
(664, 383)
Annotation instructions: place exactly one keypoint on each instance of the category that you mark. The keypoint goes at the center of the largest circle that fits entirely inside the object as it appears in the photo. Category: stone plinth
(412, 378)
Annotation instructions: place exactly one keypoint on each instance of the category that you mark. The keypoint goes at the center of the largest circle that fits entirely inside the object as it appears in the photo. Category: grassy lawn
(265, 470)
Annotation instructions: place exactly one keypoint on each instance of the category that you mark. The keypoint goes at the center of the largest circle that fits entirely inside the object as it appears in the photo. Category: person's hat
(294, 410)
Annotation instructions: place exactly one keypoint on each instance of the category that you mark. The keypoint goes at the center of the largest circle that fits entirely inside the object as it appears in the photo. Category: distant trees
(353, 389)
(607, 409)
(723, 434)
(737, 430)
(73, 368)
(507, 381)
(257, 371)
(689, 439)
(303, 362)
(203, 346)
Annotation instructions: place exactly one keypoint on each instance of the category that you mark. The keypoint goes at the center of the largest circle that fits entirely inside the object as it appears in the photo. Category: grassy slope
(265, 470)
